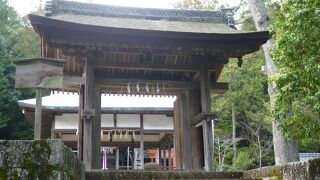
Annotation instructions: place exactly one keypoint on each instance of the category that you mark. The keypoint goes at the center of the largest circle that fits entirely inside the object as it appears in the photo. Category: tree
(254, 135)
(13, 32)
(297, 56)
(284, 151)
(247, 93)
(197, 4)
(224, 146)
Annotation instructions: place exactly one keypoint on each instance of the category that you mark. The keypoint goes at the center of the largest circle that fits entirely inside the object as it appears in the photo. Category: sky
(26, 6)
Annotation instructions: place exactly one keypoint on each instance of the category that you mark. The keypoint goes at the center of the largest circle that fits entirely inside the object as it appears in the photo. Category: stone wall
(41, 159)
(306, 170)
(153, 174)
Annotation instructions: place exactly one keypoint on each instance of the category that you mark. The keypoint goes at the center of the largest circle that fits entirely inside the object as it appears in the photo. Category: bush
(244, 161)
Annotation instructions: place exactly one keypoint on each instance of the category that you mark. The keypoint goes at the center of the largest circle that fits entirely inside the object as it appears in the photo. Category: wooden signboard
(39, 73)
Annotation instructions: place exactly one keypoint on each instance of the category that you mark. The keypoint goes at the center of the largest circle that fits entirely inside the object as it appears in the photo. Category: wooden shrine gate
(121, 50)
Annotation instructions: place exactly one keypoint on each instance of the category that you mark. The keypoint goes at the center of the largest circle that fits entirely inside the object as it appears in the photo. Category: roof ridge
(56, 7)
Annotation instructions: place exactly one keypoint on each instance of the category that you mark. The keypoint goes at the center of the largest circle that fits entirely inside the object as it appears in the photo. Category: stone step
(146, 175)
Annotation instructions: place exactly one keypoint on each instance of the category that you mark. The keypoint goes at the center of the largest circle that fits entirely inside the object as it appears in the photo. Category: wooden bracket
(88, 113)
(201, 116)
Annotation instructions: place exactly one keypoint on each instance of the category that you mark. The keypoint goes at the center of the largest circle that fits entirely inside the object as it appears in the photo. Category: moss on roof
(144, 24)
(55, 7)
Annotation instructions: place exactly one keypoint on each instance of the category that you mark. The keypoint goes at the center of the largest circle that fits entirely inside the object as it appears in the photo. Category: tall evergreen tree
(17, 40)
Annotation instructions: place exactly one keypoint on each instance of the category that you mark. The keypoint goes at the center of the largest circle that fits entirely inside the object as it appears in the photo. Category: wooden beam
(219, 87)
(202, 116)
(38, 112)
(123, 82)
(148, 66)
(73, 80)
(216, 87)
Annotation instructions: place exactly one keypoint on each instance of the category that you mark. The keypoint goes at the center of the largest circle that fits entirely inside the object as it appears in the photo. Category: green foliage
(244, 161)
(248, 93)
(297, 56)
(196, 4)
(17, 40)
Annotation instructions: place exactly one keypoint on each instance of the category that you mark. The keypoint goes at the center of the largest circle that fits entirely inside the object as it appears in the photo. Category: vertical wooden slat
(132, 153)
(164, 158)
(170, 158)
(117, 158)
(141, 142)
(159, 155)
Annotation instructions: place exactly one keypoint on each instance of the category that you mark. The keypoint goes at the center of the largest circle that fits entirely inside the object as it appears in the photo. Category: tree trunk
(260, 150)
(234, 136)
(284, 151)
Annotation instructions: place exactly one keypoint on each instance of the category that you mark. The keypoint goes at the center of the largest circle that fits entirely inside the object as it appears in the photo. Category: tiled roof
(172, 20)
(55, 7)
(307, 156)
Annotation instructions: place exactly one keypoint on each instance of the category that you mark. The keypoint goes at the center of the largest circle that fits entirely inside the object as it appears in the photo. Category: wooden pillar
(38, 114)
(96, 130)
(165, 159)
(160, 160)
(188, 139)
(115, 120)
(170, 158)
(178, 133)
(186, 131)
(206, 124)
(117, 158)
(88, 119)
(132, 153)
(194, 108)
(141, 143)
(80, 123)
(52, 136)
(128, 157)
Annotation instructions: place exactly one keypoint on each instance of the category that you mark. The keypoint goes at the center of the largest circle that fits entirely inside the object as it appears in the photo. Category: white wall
(128, 120)
(70, 121)
(157, 122)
